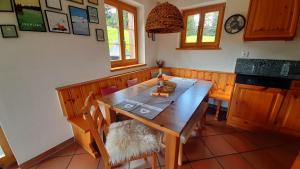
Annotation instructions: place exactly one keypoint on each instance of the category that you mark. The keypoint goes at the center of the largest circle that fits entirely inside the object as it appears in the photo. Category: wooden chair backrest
(97, 124)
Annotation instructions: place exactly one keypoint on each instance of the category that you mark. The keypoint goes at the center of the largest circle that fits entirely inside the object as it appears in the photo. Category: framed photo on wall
(77, 1)
(54, 4)
(9, 31)
(29, 15)
(6, 6)
(93, 14)
(100, 35)
(79, 19)
(57, 22)
(93, 2)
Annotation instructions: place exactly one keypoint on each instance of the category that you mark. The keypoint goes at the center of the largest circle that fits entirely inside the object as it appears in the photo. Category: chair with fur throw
(125, 141)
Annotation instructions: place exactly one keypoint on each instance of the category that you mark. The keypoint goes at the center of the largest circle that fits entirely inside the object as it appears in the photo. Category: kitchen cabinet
(289, 117)
(255, 107)
(270, 20)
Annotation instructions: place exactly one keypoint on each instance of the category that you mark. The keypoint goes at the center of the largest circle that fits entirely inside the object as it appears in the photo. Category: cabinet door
(270, 20)
(254, 106)
(289, 117)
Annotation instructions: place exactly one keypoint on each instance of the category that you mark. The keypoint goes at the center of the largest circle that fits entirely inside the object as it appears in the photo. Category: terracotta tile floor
(218, 147)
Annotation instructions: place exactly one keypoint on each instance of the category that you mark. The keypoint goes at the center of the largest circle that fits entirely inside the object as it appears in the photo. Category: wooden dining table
(172, 121)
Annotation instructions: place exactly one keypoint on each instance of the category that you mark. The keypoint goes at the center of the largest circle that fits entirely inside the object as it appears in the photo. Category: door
(254, 107)
(6, 156)
(289, 117)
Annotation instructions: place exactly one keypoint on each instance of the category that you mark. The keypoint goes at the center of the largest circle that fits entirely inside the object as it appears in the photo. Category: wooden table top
(176, 116)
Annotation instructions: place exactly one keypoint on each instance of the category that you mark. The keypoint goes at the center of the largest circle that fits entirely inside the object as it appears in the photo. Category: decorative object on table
(160, 63)
(79, 19)
(164, 87)
(165, 18)
(77, 1)
(29, 15)
(6, 6)
(100, 35)
(235, 24)
(54, 4)
(93, 2)
(93, 14)
(57, 22)
(9, 31)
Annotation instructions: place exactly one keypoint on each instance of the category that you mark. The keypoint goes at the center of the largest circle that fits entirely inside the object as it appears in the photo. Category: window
(121, 21)
(203, 27)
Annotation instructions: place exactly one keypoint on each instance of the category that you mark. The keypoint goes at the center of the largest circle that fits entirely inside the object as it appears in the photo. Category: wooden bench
(72, 96)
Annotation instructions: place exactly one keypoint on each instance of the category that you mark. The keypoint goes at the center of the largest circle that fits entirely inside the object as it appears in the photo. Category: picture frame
(100, 35)
(57, 22)
(9, 31)
(95, 2)
(25, 11)
(77, 1)
(6, 6)
(93, 14)
(54, 4)
(79, 21)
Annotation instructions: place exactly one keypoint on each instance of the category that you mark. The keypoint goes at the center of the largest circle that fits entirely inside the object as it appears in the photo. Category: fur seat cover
(129, 139)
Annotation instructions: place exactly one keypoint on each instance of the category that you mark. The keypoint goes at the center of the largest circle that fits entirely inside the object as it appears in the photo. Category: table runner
(149, 106)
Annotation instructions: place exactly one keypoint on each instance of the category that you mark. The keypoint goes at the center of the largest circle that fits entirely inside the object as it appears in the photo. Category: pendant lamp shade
(164, 18)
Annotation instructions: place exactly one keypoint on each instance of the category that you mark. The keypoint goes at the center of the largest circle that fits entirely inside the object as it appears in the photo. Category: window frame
(202, 11)
(121, 6)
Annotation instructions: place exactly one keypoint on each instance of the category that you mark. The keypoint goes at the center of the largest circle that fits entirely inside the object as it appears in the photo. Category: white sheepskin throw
(129, 139)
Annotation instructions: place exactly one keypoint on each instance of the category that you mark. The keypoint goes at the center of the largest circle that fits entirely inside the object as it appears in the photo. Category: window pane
(1, 153)
(113, 33)
(210, 26)
(192, 28)
(129, 34)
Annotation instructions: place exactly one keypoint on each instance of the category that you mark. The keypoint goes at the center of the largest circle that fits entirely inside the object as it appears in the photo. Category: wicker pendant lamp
(164, 18)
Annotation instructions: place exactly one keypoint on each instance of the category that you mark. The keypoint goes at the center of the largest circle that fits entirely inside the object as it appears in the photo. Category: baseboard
(34, 161)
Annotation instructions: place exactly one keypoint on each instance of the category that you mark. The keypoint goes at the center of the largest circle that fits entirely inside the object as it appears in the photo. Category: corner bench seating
(72, 96)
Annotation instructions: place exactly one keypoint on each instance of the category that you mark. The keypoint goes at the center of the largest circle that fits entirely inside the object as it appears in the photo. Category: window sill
(203, 48)
(126, 67)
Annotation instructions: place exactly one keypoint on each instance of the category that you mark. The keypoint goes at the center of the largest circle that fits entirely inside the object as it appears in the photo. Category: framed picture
(100, 35)
(79, 19)
(54, 4)
(77, 1)
(57, 22)
(9, 31)
(29, 15)
(93, 2)
(93, 14)
(6, 6)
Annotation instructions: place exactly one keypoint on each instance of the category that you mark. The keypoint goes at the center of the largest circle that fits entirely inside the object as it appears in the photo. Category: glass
(1, 153)
(129, 34)
(113, 32)
(192, 28)
(210, 26)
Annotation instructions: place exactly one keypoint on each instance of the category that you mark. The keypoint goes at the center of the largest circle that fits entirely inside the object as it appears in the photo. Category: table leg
(171, 154)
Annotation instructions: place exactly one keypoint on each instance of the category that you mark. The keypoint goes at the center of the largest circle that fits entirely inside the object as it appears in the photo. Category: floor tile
(234, 162)
(55, 162)
(70, 150)
(262, 140)
(283, 155)
(85, 161)
(80, 150)
(239, 142)
(262, 160)
(195, 149)
(206, 164)
(218, 145)
(141, 164)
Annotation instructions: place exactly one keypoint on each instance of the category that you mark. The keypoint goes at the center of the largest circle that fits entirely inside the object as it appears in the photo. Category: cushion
(129, 139)
(108, 90)
(132, 82)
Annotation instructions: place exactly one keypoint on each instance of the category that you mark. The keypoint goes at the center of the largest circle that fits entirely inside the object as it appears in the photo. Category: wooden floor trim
(34, 161)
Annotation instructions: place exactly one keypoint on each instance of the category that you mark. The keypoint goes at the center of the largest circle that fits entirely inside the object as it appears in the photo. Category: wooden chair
(118, 149)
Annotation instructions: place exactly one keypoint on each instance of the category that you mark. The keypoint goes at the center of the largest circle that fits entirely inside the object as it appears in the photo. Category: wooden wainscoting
(72, 96)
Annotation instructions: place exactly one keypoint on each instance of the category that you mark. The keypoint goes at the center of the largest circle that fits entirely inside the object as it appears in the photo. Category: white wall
(32, 66)
(232, 45)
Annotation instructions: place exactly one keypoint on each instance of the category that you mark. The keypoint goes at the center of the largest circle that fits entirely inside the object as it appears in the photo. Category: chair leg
(154, 161)
(180, 153)
(218, 109)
